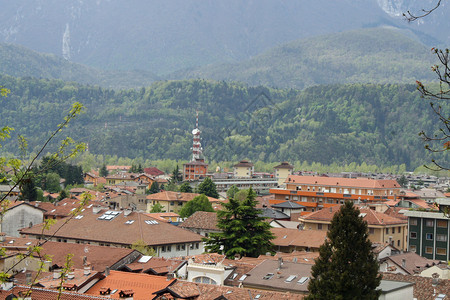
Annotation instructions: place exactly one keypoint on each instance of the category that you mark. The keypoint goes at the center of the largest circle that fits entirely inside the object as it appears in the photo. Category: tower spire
(196, 144)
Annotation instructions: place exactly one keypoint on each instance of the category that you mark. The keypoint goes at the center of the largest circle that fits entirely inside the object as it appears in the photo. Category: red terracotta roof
(300, 238)
(370, 216)
(201, 220)
(143, 285)
(423, 287)
(153, 171)
(47, 294)
(89, 227)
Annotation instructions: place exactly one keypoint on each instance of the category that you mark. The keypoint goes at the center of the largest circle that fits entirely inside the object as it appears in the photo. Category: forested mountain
(376, 124)
(19, 61)
(376, 55)
(164, 36)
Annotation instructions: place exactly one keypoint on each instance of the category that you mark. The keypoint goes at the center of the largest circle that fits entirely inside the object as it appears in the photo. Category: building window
(442, 223)
(163, 249)
(413, 235)
(169, 248)
(398, 243)
(319, 226)
(429, 236)
(429, 250)
(371, 230)
(387, 230)
(399, 230)
(172, 202)
(413, 221)
(412, 248)
(441, 251)
(441, 237)
(393, 230)
(429, 223)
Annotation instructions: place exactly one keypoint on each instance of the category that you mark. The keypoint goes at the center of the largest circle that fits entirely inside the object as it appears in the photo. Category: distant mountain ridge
(19, 61)
(375, 55)
(165, 36)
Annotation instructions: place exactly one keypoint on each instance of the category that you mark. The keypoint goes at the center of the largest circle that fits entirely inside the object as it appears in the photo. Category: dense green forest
(371, 55)
(342, 124)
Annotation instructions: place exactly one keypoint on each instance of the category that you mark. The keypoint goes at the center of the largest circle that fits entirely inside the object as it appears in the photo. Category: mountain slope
(376, 55)
(19, 61)
(165, 36)
(375, 124)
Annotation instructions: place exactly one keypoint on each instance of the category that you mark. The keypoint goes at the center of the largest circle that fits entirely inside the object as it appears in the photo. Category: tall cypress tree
(346, 267)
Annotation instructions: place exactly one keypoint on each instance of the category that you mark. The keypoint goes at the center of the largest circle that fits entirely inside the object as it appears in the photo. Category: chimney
(280, 262)
(87, 269)
(403, 263)
(28, 278)
(106, 271)
(96, 209)
(56, 273)
(126, 212)
(170, 276)
(71, 274)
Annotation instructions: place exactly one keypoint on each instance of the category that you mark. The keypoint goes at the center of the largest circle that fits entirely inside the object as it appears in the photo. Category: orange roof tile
(300, 238)
(371, 217)
(143, 285)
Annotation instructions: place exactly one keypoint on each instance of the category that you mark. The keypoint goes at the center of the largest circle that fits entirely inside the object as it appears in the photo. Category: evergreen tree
(199, 203)
(403, 181)
(186, 188)
(154, 188)
(63, 195)
(232, 191)
(208, 188)
(103, 171)
(244, 232)
(346, 267)
(176, 175)
(52, 183)
(28, 189)
(140, 169)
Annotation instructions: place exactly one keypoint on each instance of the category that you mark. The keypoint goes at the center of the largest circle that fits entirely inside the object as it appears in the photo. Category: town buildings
(104, 227)
(316, 192)
(429, 232)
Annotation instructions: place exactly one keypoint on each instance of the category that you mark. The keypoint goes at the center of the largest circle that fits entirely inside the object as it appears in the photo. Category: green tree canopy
(186, 188)
(63, 195)
(243, 231)
(52, 183)
(154, 188)
(157, 208)
(232, 191)
(103, 171)
(346, 268)
(176, 175)
(208, 188)
(199, 203)
(142, 247)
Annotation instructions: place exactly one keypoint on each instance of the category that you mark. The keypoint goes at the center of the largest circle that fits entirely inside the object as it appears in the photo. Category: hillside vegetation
(19, 61)
(375, 124)
(376, 55)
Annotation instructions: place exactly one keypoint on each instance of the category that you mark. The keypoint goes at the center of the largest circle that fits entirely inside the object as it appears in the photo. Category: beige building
(282, 172)
(173, 201)
(243, 169)
(382, 228)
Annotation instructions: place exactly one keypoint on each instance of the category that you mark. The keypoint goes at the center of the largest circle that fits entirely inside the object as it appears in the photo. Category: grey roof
(388, 286)
(288, 204)
(272, 214)
(268, 275)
